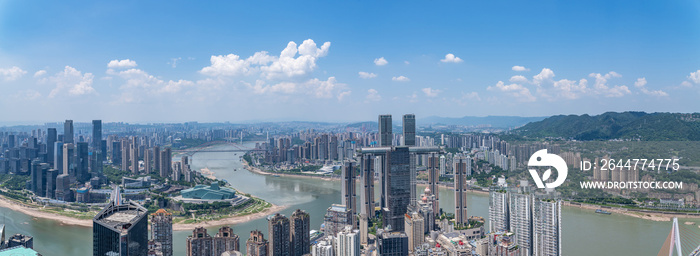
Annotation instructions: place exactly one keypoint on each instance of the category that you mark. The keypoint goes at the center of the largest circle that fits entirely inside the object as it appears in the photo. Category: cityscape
(393, 128)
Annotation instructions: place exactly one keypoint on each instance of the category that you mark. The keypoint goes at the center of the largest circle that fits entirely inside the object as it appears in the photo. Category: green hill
(613, 125)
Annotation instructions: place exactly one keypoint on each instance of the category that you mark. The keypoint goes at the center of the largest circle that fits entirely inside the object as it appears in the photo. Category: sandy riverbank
(654, 216)
(260, 171)
(65, 220)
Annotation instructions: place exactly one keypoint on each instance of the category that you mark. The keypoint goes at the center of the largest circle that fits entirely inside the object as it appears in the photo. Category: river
(583, 231)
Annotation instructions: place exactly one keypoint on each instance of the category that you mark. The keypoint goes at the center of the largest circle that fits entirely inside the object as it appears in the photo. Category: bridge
(206, 147)
(673, 240)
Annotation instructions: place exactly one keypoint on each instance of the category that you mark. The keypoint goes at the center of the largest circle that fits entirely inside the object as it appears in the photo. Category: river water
(583, 231)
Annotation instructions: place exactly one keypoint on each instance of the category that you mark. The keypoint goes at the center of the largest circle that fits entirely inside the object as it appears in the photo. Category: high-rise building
(97, 153)
(69, 159)
(520, 217)
(546, 226)
(120, 229)
(300, 233)
(156, 159)
(498, 209)
(256, 244)
(409, 130)
(51, 176)
(323, 248)
(51, 137)
(434, 179)
(162, 230)
(348, 190)
(397, 180)
(134, 150)
(460, 183)
(199, 243)
(415, 230)
(278, 232)
(348, 241)
(336, 218)
(125, 154)
(392, 243)
(147, 161)
(38, 177)
(63, 191)
(68, 131)
(82, 162)
(225, 240)
(166, 162)
(385, 136)
(367, 185)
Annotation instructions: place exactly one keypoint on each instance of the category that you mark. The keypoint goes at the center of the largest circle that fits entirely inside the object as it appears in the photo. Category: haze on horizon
(158, 62)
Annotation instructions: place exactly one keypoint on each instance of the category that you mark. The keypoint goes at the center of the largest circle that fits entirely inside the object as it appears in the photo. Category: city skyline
(219, 64)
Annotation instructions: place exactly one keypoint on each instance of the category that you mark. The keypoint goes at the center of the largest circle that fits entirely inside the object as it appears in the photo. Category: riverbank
(36, 212)
(262, 172)
(642, 214)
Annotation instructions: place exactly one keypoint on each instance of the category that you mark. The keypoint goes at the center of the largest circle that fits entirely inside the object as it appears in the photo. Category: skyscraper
(256, 244)
(409, 130)
(498, 209)
(134, 151)
(348, 241)
(69, 160)
(367, 193)
(546, 226)
(199, 243)
(415, 229)
(166, 162)
(397, 179)
(348, 189)
(225, 240)
(300, 236)
(38, 177)
(162, 230)
(68, 131)
(336, 218)
(520, 217)
(460, 179)
(120, 229)
(82, 162)
(125, 154)
(434, 179)
(385, 136)
(147, 160)
(51, 176)
(97, 153)
(51, 137)
(392, 243)
(156, 158)
(278, 231)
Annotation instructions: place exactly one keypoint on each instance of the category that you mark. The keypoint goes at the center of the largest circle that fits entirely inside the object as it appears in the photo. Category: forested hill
(613, 125)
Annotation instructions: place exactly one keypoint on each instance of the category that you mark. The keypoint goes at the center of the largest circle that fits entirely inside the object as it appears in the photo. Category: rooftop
(118, 216)
(18, 251)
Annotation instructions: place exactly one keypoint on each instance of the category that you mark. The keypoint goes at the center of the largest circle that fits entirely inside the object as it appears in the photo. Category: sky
(338, 61)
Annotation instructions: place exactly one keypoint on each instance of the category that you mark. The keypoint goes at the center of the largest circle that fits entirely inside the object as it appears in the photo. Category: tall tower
(498, 209)
(434, 179)
(300, 237)
(69, 160)
(409, 130)
(348, 189)
(546, 226)
(385, 136)
(278, 230)
(367, 180)
(460, 179)
(120, 229)
(82, 162)
(68, 131)
(51, 137)
(125, 154)
(520, 217)
(397, 187)
(96, 145)
(162, 230)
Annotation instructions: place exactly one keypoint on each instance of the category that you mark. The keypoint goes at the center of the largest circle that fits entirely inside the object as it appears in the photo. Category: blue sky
(158, 61)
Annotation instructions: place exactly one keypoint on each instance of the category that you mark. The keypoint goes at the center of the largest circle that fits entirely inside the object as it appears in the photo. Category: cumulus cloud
(366, 75)
(570, 89)
(600, 86)
(518, 79)
(518, 91)
(380, 61)
(11, 74)
(520, 68)
(430, 92)
(293, 61)
(373, 95)
(127, 63)
(139, 84)
(40, 73)
(451, 58)
(73, 82)
(641, 84)
(694, 77)
(400, 79)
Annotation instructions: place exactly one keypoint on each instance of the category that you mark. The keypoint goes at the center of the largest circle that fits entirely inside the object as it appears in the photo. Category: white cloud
(471, 96)
(520, 68)
(544, 76)
(430, 92)
(75, 82)
(293, 61)
(518, 79)
(40, 73)
(641, 84)
(380, 61)
(686, 84)
(400, 79)
(27, 95)
(600, 87)
(367, 75)
(139, 85)
(570, 89)
(173, 61)
(451, 58)
(518, 91)
(11, 74)
(694, 77)
(127, 63)
(373, 95)
(315, 87)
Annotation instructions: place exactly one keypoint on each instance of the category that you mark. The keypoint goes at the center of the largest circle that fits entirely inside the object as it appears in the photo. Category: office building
(162, 230)
(199, 243)
(348, 190)
(546, 226)
(51, 138)
(38, 178)
(278, 232)
(63, 192)
(392, 243)
(68, 131)
(97, 152)
(300, 233)
(82, 162)
(58, 156)
(460, 185)
(120, 229)
(385, 136)
(69, 160)
(51, 177)
(256, 244)
(409, 130)
(397, 185)
(348, 242)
